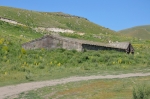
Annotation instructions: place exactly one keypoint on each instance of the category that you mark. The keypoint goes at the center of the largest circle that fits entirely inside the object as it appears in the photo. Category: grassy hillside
(92, 31)
(20, 65)
(142, 32)
(47, 19)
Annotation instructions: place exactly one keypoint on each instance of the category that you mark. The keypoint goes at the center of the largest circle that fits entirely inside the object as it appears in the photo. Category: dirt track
(16, 89)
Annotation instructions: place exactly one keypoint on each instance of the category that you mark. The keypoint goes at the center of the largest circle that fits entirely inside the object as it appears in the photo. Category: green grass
(105, 38)
(93, 89)
(141, 32)
(16, 33)
(29, 96)
(141, 91)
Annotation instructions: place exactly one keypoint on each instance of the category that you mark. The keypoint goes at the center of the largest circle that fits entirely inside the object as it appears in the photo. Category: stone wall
(50, 42)
(70, 45)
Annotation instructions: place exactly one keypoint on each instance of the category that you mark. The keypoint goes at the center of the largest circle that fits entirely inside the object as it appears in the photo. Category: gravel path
(16, 89)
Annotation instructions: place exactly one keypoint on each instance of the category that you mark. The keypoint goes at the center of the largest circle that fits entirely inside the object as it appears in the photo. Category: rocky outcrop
(11, 21)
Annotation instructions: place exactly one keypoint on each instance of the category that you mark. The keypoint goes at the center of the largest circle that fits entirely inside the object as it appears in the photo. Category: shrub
(29, 76)
(41, 66)
(141, 91)
(23, 51)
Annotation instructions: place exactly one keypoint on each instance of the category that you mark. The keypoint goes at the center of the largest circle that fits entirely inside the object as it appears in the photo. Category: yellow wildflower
(113, 62)
(23, 51)
(1, 41)
(59, 64)
(5, 48)
(51, 63)
(5, 73)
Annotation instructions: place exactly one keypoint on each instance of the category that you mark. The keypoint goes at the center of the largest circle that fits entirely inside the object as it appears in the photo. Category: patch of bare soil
(42, 29)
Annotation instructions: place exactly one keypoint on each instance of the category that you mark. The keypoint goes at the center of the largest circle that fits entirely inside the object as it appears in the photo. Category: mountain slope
(60, 20)
(142, 32)
(52, 20)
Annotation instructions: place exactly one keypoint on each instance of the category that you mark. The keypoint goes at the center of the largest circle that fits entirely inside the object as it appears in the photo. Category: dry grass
(98, 90)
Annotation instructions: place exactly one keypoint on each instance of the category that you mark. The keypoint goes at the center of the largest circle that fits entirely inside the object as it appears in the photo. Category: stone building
(55, 41)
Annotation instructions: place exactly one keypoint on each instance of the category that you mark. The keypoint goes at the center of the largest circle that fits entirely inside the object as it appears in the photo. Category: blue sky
(113, 14)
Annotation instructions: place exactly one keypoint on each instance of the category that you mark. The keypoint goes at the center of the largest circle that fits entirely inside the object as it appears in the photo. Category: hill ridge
(141, 32)
(52, 20)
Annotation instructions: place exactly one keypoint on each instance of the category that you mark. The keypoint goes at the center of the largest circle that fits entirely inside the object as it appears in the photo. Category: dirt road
(16, 89)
